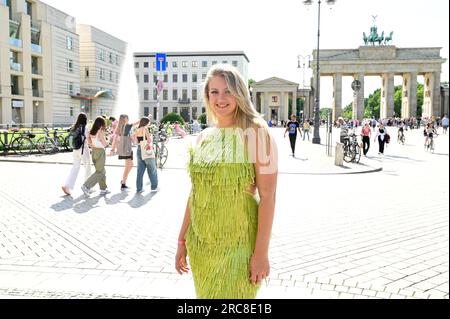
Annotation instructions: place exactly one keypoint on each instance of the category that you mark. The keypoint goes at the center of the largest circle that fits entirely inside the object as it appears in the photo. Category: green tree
(324, 112)
(398, 100)
(172, 118)
(347, 112)
(419, 99)
(202, 118)
(250, 82)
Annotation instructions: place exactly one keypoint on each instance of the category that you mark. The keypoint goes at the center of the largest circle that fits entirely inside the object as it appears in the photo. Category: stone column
(337, 96)
(427, 109)
(265, 106)
(255, 99)
(358, 98)
(26, 67)
(409, 95)
(387, 95)
(285, 105)
(294, 101)
(436, 94)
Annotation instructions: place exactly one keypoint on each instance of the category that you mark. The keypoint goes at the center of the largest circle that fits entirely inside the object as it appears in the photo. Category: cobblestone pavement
(382, 234)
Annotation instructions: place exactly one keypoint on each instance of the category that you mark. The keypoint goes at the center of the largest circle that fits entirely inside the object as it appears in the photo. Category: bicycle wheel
(357, 153)
(44, 145)
(22, 146)
(163, 154)
(348, 156)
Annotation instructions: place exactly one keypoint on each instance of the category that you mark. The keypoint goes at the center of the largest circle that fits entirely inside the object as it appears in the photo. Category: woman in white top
(97, 141)
(381, 137)
(79, 155)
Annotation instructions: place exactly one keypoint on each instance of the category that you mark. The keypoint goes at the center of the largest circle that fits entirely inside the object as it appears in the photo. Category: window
(185, 78)
(235, 63)
(102, 74)
(117, 77)
(175, 110)
(70, 87)
(69, 43)
(145, 78)
(71, 110)
(28, 8)
(101, 55)
(203, 76)
(154, 65)
(194, 77)
(165, 95)
(166, 78)
(174, 94)
(111, 58)
(155, 78)
(174, 64)
(184, 94)
(86, 71)
(69, 65)
(137, 78)
(204, 64)
(184, 64)
(117, 59)
(111, 76)
(194, 64)
(214, 62)
(146, 111)
(145, 95)
(136, 65)
(145, 64)
(224, 62)
(194, 94)
(175, 78)
(155, 94)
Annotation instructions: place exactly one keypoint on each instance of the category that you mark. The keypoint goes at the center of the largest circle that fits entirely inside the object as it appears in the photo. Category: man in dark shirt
(292, 126)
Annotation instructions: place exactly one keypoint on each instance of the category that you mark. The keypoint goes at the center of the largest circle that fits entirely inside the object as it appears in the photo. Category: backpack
(77, 138)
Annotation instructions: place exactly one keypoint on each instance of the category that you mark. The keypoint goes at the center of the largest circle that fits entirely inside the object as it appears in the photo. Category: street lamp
(316, 138)
(301, 59)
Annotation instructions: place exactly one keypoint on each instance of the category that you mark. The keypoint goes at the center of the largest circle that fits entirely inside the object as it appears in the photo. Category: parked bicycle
(352, 150)
(49, 144)
(161, 152)
(20, 145)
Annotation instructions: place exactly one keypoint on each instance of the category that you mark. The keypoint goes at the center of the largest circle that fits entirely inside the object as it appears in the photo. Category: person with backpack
(77, 139)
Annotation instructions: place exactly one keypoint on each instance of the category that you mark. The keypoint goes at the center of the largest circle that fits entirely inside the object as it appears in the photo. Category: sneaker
(66, 190)
(85, 190)
(123, 187)
(104, 191)
(157, 189)
(140, 191)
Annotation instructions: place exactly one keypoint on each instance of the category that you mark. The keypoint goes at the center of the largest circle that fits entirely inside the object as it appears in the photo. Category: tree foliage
(172, 118)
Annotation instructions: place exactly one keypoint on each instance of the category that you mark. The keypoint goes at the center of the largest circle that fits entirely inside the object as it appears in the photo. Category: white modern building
(182, 81)
(43, 75)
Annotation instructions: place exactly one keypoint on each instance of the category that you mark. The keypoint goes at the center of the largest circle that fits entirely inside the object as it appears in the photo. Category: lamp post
(316, 137)
(301, 59)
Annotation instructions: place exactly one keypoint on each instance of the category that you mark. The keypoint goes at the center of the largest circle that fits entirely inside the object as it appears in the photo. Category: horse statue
(365, 38)
(373, 36)
(388, 38)
(380, 38)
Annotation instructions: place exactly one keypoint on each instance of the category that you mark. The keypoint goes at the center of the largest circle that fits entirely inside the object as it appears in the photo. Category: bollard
(339, 154)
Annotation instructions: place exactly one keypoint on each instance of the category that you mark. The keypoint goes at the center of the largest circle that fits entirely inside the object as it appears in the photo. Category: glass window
(175, 110)
(111, 76)
(174, 94)
(136, 65)
(70, 87)
(224, 62)
(137, 78)
(154, 65)
(117, 59)
(235, 63)
(145, 95)
(174, 64)
(71, 110)
(166, 78)
(203, 76)
(214, 62)
(194, 64)
(184, 64)
(145, 64)
(194, 94)
(69, 65)
(184, 94)
(194, 77)
(175, 78)
(155, 94)
(185, 78)
(165, 95)
(204, 64)
(102, 74)
(69, 43)
(155, 78)
(101, 55)
(145, 78)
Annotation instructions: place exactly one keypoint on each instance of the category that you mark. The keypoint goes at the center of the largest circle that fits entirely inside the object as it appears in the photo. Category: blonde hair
(122, 119)
(246, 115)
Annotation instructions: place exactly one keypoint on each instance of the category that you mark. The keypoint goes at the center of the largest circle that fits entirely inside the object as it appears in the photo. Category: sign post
(160, 68)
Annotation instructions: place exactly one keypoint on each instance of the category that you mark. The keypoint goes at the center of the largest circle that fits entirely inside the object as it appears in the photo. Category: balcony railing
(37, 93)
(184, 101)
(15, 42)
(15, 66)
(36, 48)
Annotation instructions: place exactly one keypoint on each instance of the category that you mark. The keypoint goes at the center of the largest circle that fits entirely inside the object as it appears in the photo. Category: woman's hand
(181, 264)
(259, 268)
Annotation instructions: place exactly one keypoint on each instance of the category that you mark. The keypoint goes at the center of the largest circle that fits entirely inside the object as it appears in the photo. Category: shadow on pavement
(140, 200)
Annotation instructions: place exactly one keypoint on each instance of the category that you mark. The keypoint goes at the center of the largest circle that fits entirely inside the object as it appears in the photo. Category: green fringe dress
(223, 217)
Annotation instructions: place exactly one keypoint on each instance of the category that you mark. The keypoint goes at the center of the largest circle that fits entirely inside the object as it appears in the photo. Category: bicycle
(352, 151)
(48, 144)
(401, 138)
(20, 145)
(429, 144)
(161, 151)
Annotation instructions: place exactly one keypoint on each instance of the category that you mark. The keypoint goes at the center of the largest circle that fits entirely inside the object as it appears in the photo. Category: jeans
(292, 139)
(304, 134)
(142, 165)
(366, 144)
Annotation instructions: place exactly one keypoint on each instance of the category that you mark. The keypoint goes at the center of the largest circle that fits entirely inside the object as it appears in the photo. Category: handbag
(147, 150)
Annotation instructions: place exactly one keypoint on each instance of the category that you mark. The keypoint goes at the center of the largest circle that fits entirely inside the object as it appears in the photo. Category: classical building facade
(385, 61)
(272, 98)
(41, 72)
(182, 82)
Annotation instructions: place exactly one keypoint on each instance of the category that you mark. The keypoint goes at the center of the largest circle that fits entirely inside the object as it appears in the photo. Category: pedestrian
(80, 154)
(229, 214)
(122, 145)
(445, 124)
(292, 127)
(149, 163)
(97, 141)
(366, 134)
(380, 136)
(306, 128)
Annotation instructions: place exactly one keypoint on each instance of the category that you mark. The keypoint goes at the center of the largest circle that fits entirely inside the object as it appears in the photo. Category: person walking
(97, 141)
(79, 155)
(380, 136)
(366, 134)
(292, 127)
(229, 214)
(122, 145)
(445, 124)
(306, 128)
(148, 164)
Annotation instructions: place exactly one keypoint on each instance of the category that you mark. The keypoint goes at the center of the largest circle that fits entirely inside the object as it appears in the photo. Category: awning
(102, 93)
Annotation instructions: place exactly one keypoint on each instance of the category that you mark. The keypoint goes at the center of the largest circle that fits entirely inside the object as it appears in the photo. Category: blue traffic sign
(161, 62)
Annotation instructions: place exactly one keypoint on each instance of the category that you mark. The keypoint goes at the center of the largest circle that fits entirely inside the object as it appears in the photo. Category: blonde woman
(228, 218)
(122, 144)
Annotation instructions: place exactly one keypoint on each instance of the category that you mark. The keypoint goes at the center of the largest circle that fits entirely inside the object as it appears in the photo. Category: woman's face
(222, 102)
